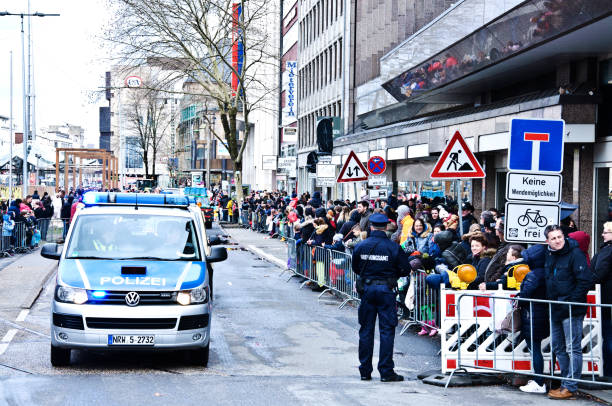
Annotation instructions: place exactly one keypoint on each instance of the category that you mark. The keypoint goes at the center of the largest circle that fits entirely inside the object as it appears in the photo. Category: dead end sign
(457, 161)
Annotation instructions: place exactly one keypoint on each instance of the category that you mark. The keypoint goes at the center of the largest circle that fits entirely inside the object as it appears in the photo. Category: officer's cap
(379, 219)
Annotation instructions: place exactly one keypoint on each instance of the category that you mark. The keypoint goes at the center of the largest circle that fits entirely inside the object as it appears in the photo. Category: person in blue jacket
(534, 316)
(379, 262)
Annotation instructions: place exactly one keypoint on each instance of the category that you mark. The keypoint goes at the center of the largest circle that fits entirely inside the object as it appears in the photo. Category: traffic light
(325, 135)
(311, 162)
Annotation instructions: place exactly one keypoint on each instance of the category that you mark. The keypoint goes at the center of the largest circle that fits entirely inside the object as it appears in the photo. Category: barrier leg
(346, 301)
(451, 377)
(324, 292)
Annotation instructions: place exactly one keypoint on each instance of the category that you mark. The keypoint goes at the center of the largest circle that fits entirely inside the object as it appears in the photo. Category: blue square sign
(536, 145)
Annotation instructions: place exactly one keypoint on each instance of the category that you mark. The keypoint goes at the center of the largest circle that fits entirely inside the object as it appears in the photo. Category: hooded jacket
(534, 316)
(404, 224)
(583, 240)
(348, 225)
(322, 234)
(316, 200)
(568, 279)
(418, 242)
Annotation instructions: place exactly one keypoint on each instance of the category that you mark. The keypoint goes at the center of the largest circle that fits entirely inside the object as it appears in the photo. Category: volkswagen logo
(132, 299)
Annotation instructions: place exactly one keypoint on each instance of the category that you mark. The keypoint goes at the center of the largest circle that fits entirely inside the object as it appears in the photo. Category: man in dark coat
(568, 279)
(601, 265)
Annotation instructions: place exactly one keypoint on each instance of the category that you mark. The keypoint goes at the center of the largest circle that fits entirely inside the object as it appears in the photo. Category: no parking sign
(377, 165)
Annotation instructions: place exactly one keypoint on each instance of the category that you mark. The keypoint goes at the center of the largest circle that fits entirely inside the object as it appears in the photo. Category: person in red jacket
(583, 240)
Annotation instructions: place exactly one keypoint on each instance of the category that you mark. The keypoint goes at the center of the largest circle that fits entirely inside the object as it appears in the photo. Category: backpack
(454, 255)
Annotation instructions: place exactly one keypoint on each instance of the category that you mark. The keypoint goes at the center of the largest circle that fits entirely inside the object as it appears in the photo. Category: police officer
(379, 262)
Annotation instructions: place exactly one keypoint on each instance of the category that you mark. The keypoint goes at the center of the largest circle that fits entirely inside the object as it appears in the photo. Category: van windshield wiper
(89, 257)
(152, 258)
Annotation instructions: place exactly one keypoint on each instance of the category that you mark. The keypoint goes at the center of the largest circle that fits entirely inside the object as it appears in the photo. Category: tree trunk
(145, 161)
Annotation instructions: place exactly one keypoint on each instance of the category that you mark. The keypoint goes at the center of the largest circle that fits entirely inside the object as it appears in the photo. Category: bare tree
(149, 119)
(224, 45)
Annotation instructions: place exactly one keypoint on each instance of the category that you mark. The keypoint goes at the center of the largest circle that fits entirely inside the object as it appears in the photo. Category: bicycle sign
(525, 222)
(532, 216)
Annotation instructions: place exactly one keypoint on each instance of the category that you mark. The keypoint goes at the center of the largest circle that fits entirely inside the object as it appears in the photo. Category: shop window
(500, 193)
(603, 202)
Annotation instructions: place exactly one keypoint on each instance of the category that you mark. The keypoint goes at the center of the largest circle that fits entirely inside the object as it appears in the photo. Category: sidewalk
(272, 249)
(22, 280)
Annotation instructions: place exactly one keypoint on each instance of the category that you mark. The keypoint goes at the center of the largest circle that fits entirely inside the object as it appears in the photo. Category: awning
(527, 40)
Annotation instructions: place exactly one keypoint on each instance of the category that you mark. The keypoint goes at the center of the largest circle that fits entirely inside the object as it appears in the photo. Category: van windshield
(131, 236)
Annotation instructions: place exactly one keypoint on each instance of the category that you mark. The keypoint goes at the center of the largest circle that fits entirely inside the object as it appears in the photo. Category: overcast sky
(69, 62)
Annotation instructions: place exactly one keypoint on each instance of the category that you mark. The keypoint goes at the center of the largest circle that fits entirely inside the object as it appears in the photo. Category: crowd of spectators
(428, 229)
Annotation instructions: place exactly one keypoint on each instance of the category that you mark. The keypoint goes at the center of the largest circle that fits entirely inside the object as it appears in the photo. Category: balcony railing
(528, 25)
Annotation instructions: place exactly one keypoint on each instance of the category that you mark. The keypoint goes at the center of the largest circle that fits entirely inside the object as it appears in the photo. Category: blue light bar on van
(134, 199)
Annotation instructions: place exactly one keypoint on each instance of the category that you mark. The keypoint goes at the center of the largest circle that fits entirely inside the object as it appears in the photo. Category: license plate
(121, 339)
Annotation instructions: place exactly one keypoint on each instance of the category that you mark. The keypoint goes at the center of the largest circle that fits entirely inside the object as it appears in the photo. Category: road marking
(269, 257)
(7, 339)
(9, 335)
(22, 315)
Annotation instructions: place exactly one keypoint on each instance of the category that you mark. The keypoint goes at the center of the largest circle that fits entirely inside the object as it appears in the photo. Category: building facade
(473, 68)
(321, 29)
(195, 141)
(288, 112)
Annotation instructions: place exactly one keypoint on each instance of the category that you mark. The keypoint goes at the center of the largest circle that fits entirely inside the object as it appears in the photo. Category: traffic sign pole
(460, 215)
(533, 183)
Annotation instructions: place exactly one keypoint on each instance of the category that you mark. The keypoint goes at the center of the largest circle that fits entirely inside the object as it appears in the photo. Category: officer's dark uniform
(379, 262)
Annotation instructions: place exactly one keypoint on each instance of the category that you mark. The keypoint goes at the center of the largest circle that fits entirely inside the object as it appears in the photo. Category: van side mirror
(217, 254)
(52, 251)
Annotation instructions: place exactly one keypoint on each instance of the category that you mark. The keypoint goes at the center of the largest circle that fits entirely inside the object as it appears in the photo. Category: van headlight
(192, 296)
(67, 294)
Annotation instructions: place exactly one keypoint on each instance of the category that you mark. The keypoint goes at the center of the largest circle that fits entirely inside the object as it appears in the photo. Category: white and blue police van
(134, 273)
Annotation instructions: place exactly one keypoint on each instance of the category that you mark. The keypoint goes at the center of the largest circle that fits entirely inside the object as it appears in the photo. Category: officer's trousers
(377, 300)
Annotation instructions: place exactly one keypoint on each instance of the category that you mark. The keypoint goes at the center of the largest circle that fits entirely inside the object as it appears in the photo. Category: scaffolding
(109, 166)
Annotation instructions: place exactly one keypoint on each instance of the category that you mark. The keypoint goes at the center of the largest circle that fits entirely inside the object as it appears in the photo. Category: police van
(134, 273)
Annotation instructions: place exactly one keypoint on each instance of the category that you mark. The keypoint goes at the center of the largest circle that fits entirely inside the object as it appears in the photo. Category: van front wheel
(60, 357)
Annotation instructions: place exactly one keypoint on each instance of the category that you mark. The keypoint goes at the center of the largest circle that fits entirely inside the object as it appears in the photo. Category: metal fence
(480, 333)
(22, 237)
(53, 229)
(331, 270)
(423, 303)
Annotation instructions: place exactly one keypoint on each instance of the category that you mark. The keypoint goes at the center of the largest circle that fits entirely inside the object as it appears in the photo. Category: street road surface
(272, 344)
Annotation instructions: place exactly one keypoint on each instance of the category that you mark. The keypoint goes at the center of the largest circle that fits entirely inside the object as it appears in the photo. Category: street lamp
(26, 118)
(208, 147)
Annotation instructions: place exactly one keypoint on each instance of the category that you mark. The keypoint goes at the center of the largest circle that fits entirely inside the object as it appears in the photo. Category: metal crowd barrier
(25, 236)
(244, 219)
(331, 270)
(54, 229)
(474, 339)
(425, 305)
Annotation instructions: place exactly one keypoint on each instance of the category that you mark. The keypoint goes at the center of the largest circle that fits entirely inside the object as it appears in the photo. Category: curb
(267, 257)
(35, 291)
(261, 254)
